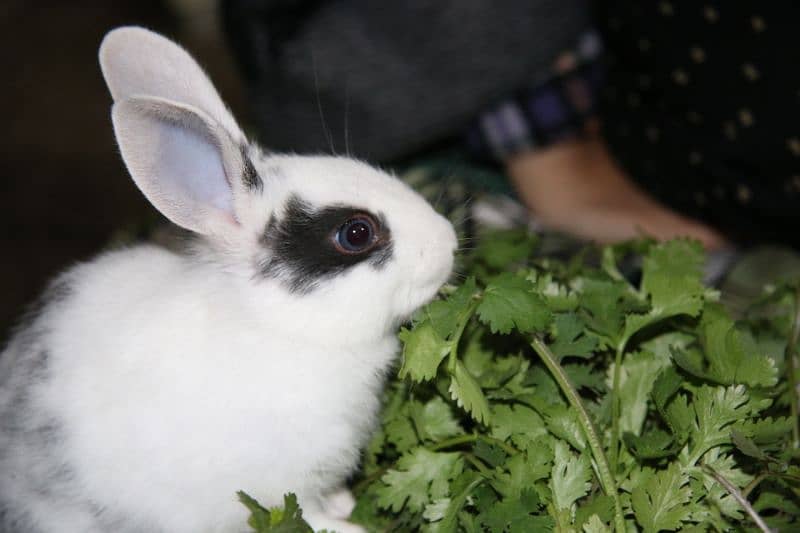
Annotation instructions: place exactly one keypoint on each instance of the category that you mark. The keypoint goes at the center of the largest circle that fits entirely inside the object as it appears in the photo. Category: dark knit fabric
(384, 79)
(702, 108)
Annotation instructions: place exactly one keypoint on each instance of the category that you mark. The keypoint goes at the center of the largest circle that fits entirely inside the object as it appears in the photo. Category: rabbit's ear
(138, 62)
(181, 145)
(184, 162)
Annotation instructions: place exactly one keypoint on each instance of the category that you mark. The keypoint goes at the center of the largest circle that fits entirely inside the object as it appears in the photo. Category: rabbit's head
(328, 242)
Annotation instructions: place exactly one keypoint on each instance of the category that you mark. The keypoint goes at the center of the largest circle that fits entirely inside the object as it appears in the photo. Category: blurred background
(603, 120)
(64, 189)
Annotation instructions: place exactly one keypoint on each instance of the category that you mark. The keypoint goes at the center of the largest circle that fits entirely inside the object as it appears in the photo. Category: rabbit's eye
(307, 244)
(355, 236)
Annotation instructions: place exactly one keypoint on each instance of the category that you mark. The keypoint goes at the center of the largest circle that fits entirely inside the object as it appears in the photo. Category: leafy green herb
(288, 519)
(423, 351)
(467, 394)
(660, 499)
(509, 302)
(421, 477)
(544, 395)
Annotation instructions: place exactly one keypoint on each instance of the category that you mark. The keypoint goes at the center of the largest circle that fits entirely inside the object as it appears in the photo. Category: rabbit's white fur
(155, 385)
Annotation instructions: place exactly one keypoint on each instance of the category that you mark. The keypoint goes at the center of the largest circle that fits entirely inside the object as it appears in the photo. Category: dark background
(65, 192)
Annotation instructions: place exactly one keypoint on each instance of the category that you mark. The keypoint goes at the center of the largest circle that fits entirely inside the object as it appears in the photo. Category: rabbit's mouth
(427, 283)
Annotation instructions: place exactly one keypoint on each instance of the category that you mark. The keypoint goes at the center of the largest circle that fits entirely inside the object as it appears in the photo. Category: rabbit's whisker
(325, 129)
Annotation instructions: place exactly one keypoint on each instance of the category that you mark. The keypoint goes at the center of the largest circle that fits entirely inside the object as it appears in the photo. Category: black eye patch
(304, 248)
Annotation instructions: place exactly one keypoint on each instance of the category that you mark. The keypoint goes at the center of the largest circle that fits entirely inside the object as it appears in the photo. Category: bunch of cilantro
(553, 395)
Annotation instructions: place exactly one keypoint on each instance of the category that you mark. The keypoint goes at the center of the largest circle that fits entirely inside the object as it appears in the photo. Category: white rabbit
(150, 386)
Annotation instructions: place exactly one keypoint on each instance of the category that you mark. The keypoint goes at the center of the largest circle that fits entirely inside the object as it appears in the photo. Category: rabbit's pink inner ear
(177, 157)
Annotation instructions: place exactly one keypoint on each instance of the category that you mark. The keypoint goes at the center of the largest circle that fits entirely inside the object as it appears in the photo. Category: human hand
(575, 187)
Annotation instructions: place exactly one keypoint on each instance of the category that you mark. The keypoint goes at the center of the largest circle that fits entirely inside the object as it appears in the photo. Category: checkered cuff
(550, 112)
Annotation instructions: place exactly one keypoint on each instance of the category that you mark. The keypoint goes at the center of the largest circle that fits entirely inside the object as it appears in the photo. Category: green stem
(551, 509)
(466, 439)
(615, 404)
(753, 484)
(474, 461)
(510, 450)
(702, 447)
(463, 320)
(609, 265)
(791, 354)
(606, 477)
(734, 492)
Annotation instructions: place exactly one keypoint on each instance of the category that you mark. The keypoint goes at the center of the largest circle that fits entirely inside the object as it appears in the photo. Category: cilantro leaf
(585, 376)
(672, 407)
(423, 351)
(571, 337)
(437, 509)
(516, 419)
(523, 470)
(559, 297)
(501, 248)
(400, 432)
(680, 418)
(420, 477)
(260, 518)
(665, 386)
(444, 315)
(468, 394)
(597, 505)
(638, 373)
(672, 279)
(716, 408)
(434, 420)
(766, 431)
(490, 453)
(444, 512)
(562, 422)
(653, 445)
(603, 303)
(771, 501)
(509, 302)
(732, 353)
(746, 445)
(660, 500)
(288, 519)
(498, 372)
(570, 478)
(516, 514)
(672, 275)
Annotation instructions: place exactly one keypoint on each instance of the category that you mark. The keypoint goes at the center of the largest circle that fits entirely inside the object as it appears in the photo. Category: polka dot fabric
(702, 108)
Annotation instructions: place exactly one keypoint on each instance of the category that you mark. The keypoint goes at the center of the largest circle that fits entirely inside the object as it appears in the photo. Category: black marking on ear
(250, 177)
(302, 249)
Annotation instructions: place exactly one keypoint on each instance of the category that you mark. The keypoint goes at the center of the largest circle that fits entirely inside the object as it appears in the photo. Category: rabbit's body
(162, 383)
(152, 385)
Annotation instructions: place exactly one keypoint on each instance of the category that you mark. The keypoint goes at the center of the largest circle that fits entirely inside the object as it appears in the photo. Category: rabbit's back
(39, 487)
(28, 437)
